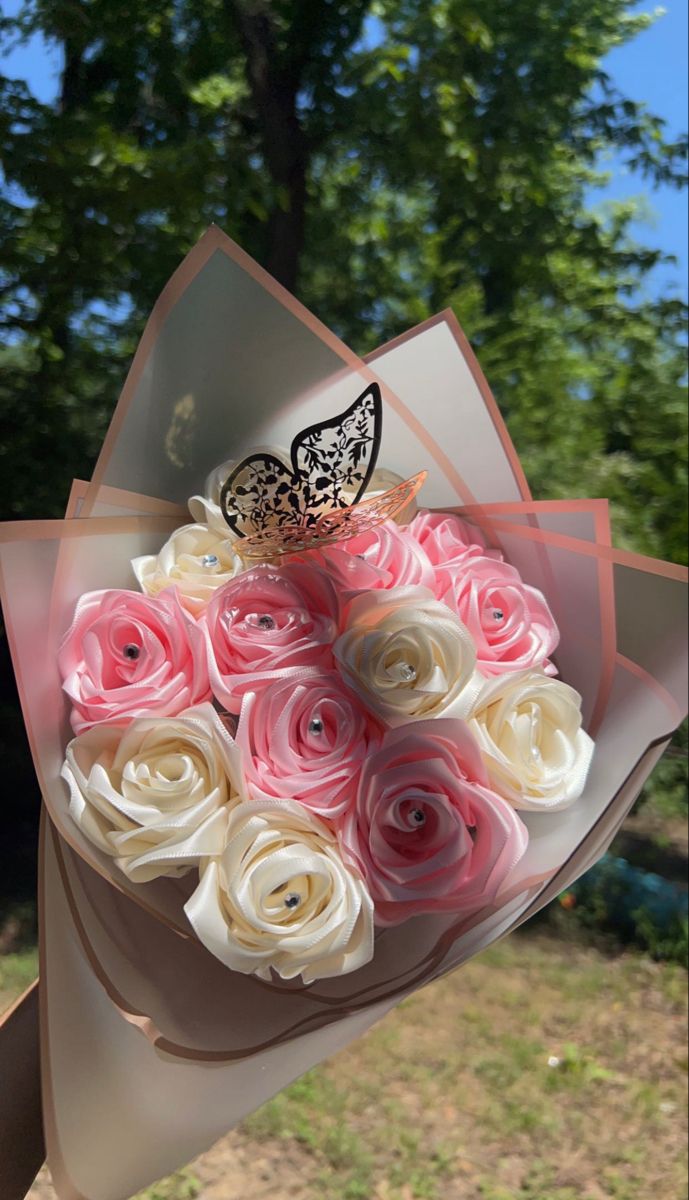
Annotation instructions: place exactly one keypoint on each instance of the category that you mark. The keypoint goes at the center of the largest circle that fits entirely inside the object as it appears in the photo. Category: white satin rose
(206, 509)
(196, 560)
(280, 898)
(155, 794)
(408, 655)
(528, 728)
(209, 513)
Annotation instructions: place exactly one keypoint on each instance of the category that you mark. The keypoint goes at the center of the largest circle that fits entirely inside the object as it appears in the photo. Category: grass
(319, 1116)
(17, 971)
(541, 1063)
(183, 1185)
(540, 1071)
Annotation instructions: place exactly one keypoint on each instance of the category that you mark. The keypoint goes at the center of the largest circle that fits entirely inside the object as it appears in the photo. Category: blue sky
(652, 69)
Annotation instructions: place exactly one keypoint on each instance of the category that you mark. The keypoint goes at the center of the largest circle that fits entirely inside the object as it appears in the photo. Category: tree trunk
(274, 89)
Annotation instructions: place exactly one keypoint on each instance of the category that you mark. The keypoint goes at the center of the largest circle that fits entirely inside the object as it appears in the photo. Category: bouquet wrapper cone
(21, 1126)
(151, 1049)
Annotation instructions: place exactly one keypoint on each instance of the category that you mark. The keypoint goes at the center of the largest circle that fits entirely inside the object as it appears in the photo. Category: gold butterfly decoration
(279, 505)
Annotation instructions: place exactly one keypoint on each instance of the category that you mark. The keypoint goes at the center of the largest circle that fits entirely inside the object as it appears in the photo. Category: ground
(543, 1070)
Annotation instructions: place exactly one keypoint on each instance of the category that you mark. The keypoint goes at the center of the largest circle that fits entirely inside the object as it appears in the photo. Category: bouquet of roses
(330, 745)
(385, 706)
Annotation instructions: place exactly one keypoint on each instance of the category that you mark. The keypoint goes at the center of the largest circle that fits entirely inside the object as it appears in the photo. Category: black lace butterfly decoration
(278, 504)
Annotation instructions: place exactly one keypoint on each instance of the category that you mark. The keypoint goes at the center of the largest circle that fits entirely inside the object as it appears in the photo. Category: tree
(383, 158)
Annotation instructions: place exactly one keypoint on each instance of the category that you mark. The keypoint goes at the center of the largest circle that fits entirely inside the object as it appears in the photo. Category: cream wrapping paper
(147, 1041)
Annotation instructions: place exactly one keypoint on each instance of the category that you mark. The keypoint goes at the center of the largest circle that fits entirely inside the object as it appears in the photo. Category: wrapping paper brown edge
(22, 1148)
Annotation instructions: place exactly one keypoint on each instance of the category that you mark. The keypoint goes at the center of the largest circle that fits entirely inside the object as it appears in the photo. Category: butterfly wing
(332, 463)
(335, 459)
(337, 526)
(261, 494)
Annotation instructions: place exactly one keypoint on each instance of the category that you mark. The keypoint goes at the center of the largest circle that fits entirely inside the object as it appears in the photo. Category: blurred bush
(638, 907)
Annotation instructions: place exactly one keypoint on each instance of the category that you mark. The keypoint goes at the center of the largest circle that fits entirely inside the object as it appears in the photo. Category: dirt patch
(541, 1071)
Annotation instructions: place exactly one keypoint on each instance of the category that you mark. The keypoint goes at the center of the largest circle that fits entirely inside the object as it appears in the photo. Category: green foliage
(610, 902)
(463, 176)
(666, 789)
(668, 942)
(542, 1071)
(445, 149)
(576, 1067)
(17, 971)
(317, 1115)
(183, 1185)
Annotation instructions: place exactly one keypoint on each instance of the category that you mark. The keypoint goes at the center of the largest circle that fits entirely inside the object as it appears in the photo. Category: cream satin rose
(207, 513)
(280, 898)
(127, 655)
(195, 561)
(205, 509)
(306, 740)
(427, 832)
(154, 795)
(407, 655)
(528, 728)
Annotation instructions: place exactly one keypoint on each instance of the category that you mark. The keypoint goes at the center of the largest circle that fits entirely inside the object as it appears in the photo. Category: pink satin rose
(427, 833)
(128, 655)
(383, 557)
(266, 622)
(447, 541)
(510, 622)
(306, 740)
